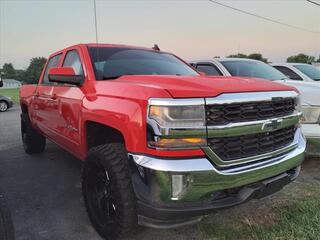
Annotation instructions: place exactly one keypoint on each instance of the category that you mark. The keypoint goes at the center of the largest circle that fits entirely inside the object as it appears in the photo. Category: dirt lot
(45, 199)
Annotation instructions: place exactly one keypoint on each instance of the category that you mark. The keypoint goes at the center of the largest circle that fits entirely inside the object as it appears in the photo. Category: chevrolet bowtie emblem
(271, 125)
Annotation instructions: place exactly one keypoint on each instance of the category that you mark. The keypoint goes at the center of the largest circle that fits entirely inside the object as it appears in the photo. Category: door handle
(54, 96)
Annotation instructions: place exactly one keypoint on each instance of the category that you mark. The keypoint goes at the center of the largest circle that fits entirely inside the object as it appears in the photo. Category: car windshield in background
(111, 63)
(255, 69)
(309, 70)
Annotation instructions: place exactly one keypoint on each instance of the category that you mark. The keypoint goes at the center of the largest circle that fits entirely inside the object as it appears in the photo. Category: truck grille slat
(221, 114)
(230, 148)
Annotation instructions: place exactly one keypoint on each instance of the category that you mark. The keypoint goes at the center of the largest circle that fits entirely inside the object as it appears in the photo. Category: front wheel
(3, 106)
(108, 191)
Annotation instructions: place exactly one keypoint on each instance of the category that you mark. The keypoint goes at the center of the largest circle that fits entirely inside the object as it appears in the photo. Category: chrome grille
(230, 148)
(222, 114)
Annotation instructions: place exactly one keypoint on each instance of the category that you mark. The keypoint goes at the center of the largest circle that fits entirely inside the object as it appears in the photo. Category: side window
(72, 59)
(209, 69)
(289, 73)
(53, 62)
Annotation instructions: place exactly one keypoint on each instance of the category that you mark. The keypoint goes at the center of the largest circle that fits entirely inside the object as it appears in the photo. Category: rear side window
(52, 62)
(209, 69)
(72, 59)
(309, 70)
(289, 73)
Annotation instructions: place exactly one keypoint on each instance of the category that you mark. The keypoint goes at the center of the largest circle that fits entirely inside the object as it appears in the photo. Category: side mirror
(65, 75)
(202, 73)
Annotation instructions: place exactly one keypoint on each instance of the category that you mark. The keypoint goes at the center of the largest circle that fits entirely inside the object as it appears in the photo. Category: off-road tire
(33, 142)
(112, 159)
(6, 225)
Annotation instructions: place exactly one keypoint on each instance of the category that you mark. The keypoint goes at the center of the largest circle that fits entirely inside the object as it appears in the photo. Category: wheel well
(24, 108)
(98, 134)
(3, 100)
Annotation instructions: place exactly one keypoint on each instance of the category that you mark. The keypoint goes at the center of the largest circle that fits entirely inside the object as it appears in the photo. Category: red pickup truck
(162, 145)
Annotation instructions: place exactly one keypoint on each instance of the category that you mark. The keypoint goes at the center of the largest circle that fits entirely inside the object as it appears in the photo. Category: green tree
(33, 72)
(8, 71)
(318, 59)
(256, 56)
(20, 75)
(301, 58)
(238, 55)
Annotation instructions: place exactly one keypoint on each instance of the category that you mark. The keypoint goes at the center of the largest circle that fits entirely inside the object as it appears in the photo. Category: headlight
(177, 116)
(310, 114)
(176, 123)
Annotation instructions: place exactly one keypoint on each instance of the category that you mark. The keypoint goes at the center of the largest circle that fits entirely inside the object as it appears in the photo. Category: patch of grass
(12, 92)
(294, 218)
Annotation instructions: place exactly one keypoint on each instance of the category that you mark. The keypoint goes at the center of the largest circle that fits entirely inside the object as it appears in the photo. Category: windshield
(252, 69)
(309, 70)
(111, 63)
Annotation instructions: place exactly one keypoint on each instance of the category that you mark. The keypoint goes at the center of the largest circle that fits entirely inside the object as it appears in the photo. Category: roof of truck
(85, 45)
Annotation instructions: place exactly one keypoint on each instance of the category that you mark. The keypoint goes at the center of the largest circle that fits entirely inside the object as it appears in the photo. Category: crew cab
(309, 90)
(161, 144)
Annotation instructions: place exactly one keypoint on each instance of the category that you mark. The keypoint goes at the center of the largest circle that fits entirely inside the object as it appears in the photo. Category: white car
(310, 97)
(299, 71)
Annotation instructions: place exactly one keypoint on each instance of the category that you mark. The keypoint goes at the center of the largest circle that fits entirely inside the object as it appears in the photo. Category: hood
(309, 91)
(203, 86)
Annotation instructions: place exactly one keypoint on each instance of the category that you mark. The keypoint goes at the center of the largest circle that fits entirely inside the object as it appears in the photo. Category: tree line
(300, 58)
(29, 76)
(32, 73)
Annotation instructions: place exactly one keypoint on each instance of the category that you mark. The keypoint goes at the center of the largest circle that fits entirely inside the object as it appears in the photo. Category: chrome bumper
(168, 182)
(312, 134)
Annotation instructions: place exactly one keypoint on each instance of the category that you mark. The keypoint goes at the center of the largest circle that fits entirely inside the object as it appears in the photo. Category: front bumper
(201, 182)
(312, 134)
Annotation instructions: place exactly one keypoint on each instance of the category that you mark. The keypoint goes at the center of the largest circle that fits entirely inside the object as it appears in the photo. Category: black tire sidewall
(122, 190)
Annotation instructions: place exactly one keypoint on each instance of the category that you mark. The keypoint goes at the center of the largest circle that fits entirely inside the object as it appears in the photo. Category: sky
(195, 29)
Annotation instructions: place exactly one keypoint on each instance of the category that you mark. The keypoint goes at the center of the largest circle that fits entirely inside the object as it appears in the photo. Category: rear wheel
(3, 106)
(108, 191)
(33, 142)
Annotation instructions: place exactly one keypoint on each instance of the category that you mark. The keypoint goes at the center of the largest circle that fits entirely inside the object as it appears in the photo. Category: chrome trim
(172, 165)
(175, 102)
(229, 98)
(245, 128)
(221, 163)
(203, 177)
(300, 148)
(204, 164)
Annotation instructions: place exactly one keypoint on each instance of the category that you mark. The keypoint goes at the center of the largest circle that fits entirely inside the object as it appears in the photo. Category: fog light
(179, 186)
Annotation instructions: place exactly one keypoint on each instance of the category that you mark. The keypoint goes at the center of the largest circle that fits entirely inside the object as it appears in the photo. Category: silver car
(299, 71)
(310, 97)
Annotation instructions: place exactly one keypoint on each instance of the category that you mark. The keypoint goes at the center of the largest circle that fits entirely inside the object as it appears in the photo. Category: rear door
(43, 101)
(67, 108)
